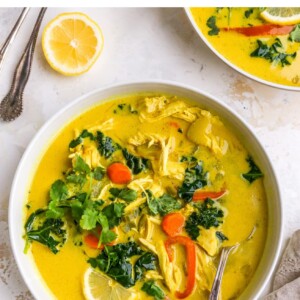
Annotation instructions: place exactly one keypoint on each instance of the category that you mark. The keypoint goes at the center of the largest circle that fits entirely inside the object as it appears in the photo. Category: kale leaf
(153, 289)
(136, 164)
(221, 236)
(207, 215)
(211, 23)
(125, 194)
(254, 172)
(194, 178)
(145, 262)
(248, 12)
(47, 231)
(273, 53)
(79, 139)
(115, 262)
(106, 145)
(162, 205)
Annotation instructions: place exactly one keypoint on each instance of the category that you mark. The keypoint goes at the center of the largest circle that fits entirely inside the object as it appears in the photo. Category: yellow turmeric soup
(240, 35)
(135, 198)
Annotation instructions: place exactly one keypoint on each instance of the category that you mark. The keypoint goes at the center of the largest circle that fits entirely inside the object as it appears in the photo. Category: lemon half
(281, 15)
(97, 286)
(71, 43)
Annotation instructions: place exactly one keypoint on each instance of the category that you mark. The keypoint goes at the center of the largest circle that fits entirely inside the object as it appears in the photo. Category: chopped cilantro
(295, 34)
(125, 194)
(211, 23)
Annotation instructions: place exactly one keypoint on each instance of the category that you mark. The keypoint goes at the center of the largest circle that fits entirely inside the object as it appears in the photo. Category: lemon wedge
(97, 286)
(71, 43)
(281, 15)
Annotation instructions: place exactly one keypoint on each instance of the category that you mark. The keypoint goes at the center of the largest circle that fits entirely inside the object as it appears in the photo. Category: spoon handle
(12, 104)
(23, 68)
(13, 34)
(215, 291)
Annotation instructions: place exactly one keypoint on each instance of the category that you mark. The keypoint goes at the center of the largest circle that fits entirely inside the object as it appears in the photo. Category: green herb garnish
(136, 164)
(194, 178)
(273, 53)
(162, 205)
(254, 172)
(211, 23)
(125, 194)
(153, 289)
(207, 215)
(295, 34)
(115, 262)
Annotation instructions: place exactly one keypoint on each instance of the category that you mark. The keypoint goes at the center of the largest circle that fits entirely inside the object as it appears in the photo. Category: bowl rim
(230, 64)
(127, 84)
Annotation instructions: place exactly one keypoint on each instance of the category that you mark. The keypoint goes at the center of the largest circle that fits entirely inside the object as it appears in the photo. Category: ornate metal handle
(23, 68)
(11, 105)
(13, 34)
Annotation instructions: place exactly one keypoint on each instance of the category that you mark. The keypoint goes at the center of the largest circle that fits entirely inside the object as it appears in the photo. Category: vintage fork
(215, 291)
(11, 106)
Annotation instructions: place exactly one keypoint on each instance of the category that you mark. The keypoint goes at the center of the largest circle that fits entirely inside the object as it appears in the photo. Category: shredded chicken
(209, 241)
(167, 268)
(89, 153)
(106, 125)
(205, 270)
(148, 245)
(205, 131)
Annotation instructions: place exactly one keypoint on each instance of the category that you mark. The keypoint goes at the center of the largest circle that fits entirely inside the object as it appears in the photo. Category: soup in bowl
(131, 192)
(241, 37)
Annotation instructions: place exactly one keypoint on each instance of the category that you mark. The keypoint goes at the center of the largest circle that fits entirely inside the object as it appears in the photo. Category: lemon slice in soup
(281, 15)
(97, 286)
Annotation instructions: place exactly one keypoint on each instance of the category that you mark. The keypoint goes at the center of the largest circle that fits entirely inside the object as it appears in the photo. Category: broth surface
(237, 47)
(198, 136)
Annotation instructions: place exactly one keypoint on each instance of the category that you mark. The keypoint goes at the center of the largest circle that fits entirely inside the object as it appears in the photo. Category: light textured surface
(142, 44)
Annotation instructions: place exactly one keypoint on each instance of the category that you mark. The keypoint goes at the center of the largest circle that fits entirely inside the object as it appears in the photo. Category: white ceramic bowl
(229, 63)
(42, 139)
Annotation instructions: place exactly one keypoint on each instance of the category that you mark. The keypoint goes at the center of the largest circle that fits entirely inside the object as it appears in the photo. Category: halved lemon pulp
(72, 42)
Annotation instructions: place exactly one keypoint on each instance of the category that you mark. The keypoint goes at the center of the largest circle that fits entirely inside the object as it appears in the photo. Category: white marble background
(144, 43)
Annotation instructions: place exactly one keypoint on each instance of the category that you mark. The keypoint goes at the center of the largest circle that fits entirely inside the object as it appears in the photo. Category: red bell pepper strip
(202, 195)
(267, 29)
(190, 249)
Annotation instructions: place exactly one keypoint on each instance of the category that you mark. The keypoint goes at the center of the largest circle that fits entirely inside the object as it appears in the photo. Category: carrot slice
(267, 29)
(202, 195)
(172, 224)
(92, 239)
(119, 173)
(191, 262)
